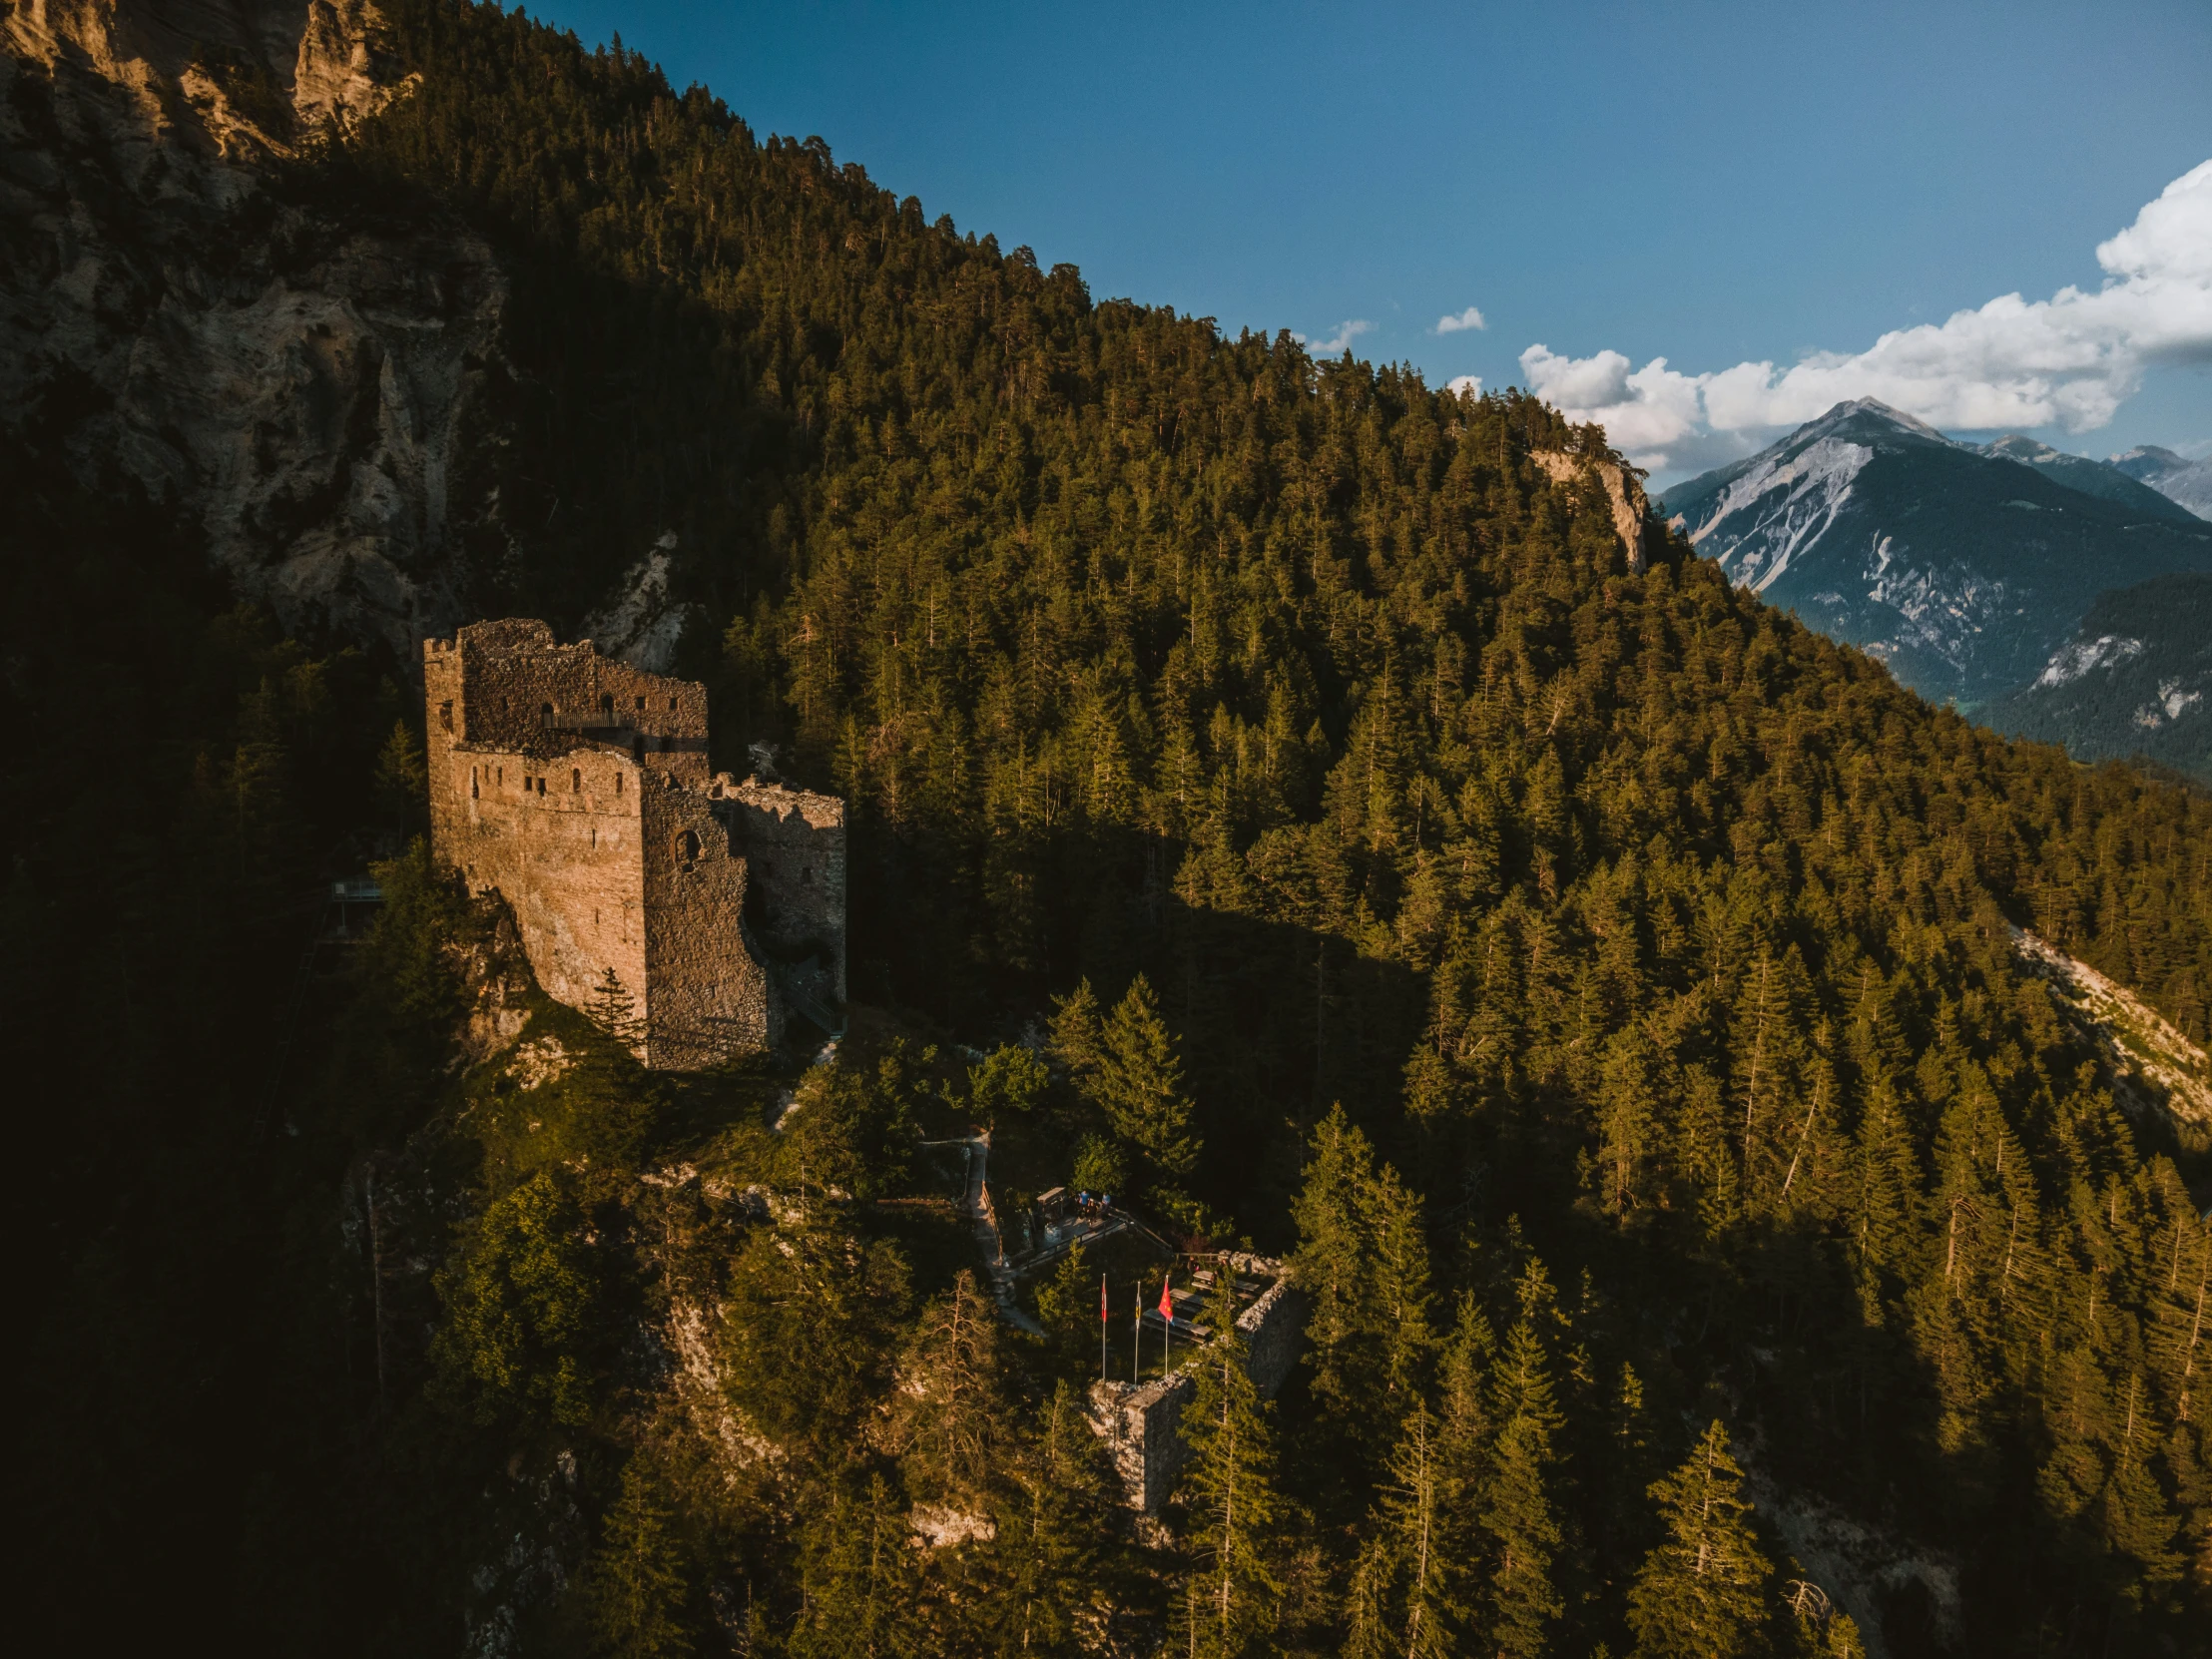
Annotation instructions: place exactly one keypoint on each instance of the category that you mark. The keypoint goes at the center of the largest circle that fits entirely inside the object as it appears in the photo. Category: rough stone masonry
(577, 788)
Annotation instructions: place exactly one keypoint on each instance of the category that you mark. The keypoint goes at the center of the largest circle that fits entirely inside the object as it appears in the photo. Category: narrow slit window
(618, 783)
(575, 780)
(472, 783)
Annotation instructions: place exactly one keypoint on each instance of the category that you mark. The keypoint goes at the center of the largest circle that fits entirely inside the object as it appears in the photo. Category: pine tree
(1078, 1035)
(1515, 1507)
(1700, 1593)
(1230, 1482)
(1411, 1517)
(1400, 1277)
(1050, 1542)
(948, 1405)
(402, 782)
(636, 1584)
(859, 1580)
(1138, 1080)
(1332, 1262)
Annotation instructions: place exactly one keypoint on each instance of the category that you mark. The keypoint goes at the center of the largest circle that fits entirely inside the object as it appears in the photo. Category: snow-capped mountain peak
(1966, 569)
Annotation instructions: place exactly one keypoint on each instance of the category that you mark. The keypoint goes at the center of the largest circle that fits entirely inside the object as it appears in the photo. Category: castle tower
(577, 788)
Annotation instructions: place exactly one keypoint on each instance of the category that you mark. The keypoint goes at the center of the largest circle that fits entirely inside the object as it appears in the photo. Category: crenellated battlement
(577, 788)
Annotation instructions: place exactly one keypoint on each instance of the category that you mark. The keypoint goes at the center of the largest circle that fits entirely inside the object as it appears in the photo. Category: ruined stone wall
(795, 843)
(1272, 1329)
(516, 689)
(708, 997)
(1141, 1423)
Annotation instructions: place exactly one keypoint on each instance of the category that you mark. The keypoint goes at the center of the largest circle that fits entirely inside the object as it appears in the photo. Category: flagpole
(1166, 1322)
(1136, 1339)
(1102, 1328)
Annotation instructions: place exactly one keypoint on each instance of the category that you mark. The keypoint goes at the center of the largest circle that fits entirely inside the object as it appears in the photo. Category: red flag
(1101, 1301)
(1166, 1300)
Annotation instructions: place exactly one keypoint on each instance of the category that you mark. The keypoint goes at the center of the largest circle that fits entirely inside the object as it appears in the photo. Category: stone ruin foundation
(1142, 1421)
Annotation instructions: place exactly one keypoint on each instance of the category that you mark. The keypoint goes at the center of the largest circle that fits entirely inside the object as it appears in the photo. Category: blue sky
(1714, 183)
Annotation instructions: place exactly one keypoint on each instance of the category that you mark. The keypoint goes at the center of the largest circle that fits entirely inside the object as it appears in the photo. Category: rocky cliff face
(304, 393)
(1624, 493)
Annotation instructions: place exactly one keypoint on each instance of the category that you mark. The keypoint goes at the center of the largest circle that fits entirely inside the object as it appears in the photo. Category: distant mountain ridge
(2103, 479)
(1965, 569)
(2189, 482)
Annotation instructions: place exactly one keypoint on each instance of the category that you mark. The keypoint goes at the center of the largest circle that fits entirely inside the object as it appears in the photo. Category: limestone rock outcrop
(1623, 490)
(304, 396)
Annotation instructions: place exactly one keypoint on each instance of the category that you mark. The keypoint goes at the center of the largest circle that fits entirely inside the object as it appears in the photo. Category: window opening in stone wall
(541, 785)
(500, 778)
(472, 795)
(618, 783)
(575, 780)
(687, 847)
(641, 702)
(545, 711)
(606, 702)
(671, 705)
(446, 717)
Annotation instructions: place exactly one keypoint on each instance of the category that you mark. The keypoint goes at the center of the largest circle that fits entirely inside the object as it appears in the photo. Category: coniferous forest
(1271, 797)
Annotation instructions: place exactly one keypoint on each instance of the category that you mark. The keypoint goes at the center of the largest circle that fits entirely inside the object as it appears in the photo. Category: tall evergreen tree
(636, 1583)
(1700, 1593)
(1138, 1079)
(1232, 1485)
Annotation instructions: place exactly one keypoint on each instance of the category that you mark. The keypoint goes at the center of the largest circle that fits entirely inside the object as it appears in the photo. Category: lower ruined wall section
(1142, 1422)
(1142, 1425)
(794, 841)
(707, 998)
(1272, 1329)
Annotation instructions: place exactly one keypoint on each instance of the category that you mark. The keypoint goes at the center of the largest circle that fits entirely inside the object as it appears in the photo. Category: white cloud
(1468, 319)
(1347, 333)
(2070, 361)
(1467, 385)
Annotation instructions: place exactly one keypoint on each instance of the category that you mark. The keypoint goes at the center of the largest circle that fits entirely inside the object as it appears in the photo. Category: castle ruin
(577, 788)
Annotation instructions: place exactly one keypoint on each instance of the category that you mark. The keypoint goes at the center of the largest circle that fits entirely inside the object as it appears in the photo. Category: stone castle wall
(561, 839)
(577, 788)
